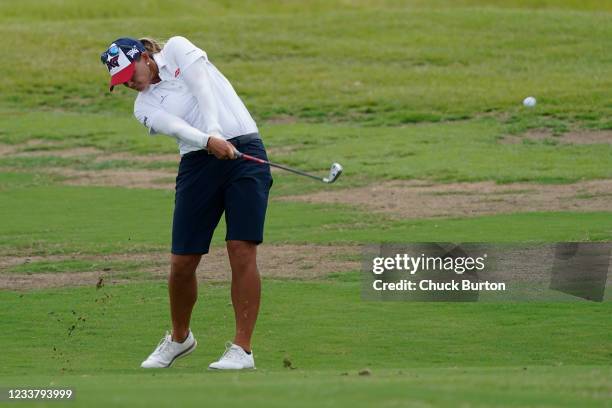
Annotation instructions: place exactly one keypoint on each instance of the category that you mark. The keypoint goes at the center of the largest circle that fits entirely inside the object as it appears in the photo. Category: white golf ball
(529, 101)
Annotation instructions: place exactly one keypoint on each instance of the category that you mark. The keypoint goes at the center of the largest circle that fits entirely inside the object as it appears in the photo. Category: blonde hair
(152, 46)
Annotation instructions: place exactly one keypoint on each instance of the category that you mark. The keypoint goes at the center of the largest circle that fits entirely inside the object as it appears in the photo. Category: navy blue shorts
(207, 186)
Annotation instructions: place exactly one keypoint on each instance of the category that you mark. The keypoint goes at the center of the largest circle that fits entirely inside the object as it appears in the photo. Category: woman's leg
(246, 289)
(183, 289)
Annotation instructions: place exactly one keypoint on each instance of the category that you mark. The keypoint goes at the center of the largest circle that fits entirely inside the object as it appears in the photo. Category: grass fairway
(418, 353)
(398, 92)
(479, 387)
(107, 220)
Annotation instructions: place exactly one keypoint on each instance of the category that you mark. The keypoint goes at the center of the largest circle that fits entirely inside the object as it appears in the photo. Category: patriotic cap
(120, 59)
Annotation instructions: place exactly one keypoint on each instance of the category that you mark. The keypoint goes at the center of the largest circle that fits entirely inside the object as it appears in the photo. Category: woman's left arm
(198, 81)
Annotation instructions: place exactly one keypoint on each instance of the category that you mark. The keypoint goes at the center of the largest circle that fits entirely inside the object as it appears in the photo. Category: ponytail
(152, 46)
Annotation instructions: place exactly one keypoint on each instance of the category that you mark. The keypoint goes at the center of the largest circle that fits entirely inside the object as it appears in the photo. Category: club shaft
(280, 166)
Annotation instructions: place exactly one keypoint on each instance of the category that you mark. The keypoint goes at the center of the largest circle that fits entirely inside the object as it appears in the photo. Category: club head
(334, 173)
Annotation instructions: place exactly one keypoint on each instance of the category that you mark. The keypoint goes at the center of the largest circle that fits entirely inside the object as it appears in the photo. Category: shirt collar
(159, 60)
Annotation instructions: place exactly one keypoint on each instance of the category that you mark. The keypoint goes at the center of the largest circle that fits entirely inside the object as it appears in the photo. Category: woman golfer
(182, 94)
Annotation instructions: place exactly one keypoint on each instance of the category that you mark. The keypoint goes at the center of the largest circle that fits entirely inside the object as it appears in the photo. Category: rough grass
(367, 62)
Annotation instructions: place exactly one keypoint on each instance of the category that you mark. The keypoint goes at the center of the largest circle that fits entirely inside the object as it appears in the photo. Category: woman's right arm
(163, 122)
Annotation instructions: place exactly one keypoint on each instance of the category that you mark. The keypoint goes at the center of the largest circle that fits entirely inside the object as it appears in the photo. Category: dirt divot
(130, 178)
(282, 120)
(64, 153)
(35, 145)
(149, 158)
(280, 150)
(156, 179)
(274, 261)
(578, 137)
(419, 199)
(6, 149)
(588, 137)
(96, 154)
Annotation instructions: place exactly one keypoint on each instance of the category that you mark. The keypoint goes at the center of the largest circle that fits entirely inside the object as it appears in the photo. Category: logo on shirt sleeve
(177, 72)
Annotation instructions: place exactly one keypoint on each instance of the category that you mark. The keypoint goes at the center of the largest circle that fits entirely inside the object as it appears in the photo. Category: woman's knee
(184, 264)
(241, 249)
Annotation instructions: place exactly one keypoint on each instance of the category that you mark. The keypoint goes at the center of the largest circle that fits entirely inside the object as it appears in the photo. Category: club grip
(252, 158)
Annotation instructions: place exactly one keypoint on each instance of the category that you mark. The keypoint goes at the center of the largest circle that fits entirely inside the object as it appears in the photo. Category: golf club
(334, 171)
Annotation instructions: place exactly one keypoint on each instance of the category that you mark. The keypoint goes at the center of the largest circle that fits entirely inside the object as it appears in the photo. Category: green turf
(104, 219)
(328, 332)
(75, 265)
(373, 62)
(567, 386)
(466, 151)
(86, 162)
(393, 90)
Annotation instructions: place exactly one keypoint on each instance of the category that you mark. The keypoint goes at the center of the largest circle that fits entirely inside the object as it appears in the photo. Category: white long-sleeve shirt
(192, 101)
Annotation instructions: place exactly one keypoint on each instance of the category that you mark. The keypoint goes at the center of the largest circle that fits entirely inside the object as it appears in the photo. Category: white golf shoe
(168, 351)
(234, 358)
